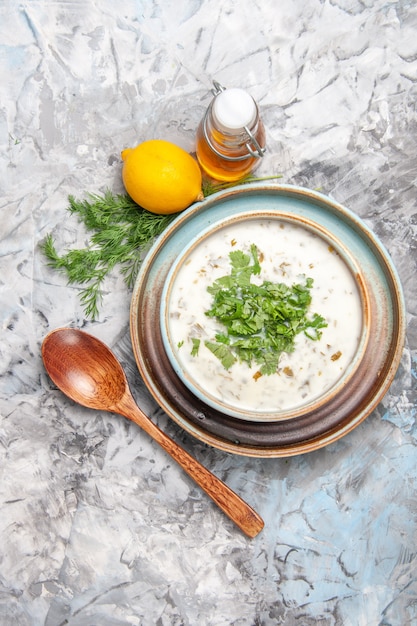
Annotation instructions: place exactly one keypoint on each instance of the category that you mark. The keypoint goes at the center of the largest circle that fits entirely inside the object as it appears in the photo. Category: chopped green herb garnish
(180, 344)
(196, 346)
(222, 352)
(260, 321)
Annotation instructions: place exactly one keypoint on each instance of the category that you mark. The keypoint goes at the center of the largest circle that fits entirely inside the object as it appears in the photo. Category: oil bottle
(231, 135)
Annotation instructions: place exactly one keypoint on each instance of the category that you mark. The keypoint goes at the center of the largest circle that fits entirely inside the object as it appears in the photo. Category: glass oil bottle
(231, 135)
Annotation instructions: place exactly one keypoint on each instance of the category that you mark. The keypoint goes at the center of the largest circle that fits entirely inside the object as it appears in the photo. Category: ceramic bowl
(291, 248)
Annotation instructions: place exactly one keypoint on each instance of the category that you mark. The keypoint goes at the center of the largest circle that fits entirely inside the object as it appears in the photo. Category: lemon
(161, 177)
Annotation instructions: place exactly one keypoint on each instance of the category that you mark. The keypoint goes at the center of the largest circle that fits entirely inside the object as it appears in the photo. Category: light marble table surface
(98, 526)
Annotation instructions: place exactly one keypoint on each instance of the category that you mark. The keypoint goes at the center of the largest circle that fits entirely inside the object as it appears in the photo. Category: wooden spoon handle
(227, 500)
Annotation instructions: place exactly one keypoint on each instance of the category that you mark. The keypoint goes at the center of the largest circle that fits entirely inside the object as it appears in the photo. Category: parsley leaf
(222, 352)
(196, 346)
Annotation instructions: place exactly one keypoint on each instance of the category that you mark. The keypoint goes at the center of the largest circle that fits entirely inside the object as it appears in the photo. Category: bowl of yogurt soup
(288, 251)
(323, 384)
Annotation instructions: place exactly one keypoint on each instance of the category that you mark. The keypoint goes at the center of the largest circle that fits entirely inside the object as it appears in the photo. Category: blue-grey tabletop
(98, 525)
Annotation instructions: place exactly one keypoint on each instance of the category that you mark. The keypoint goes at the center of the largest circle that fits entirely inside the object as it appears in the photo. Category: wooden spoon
(87, 371)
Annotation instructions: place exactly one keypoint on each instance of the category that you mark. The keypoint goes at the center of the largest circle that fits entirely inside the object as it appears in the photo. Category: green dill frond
(121, 231)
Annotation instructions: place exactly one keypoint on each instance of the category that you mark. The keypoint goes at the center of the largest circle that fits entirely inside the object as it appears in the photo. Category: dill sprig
(121, 232)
